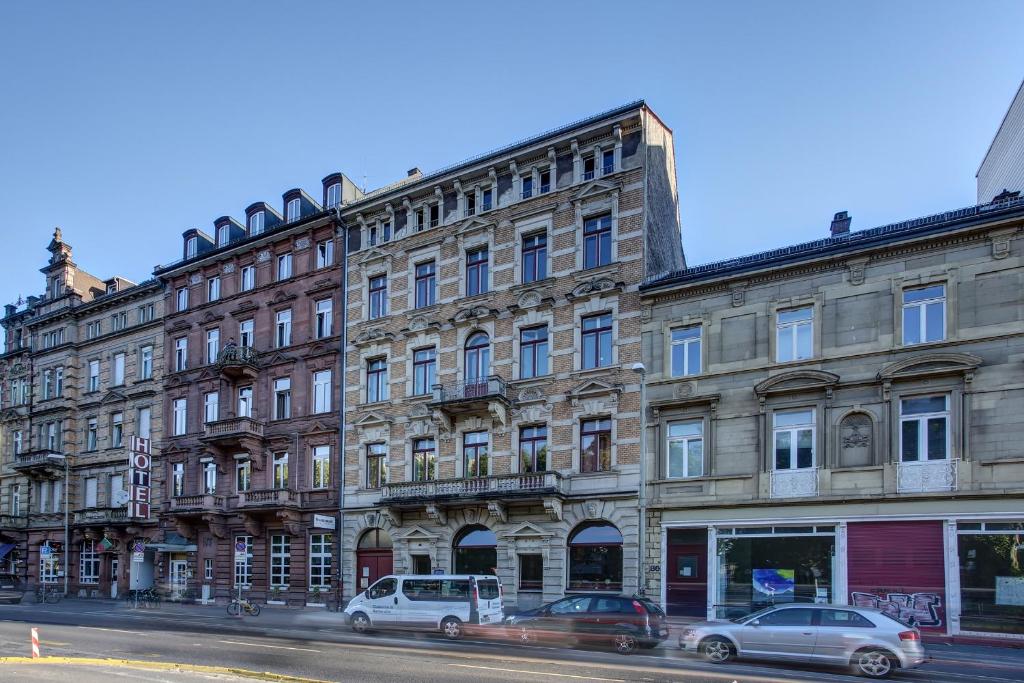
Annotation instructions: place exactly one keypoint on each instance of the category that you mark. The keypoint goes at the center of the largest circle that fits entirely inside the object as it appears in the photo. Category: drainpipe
(642, 488)
(343, 319)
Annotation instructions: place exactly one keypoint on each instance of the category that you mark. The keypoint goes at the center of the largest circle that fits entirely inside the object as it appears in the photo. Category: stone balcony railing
(198, 503)
(13, 521)
(927, 475)
(498, 486)
(233, 427)
(100, 516)
(796, 483)
(42, 459)
(267, 498)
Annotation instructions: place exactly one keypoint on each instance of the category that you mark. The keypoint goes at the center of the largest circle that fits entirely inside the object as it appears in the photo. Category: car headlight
(689, 633)
(510, 620)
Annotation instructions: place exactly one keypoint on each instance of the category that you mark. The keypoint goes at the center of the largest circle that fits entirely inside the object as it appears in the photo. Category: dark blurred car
(623, 622)
(11, 589)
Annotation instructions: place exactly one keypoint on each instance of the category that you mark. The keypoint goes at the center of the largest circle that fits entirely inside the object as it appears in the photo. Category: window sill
(702, 478)
(589, 273)
(371, 404)
(539, 380)
(596, 371)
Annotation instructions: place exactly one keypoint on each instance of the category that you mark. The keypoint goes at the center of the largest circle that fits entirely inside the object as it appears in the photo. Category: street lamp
(641, 370)
(67, 538)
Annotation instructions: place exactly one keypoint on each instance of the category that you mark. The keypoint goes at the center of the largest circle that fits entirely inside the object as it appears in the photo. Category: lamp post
(641, 370)
(67, 537)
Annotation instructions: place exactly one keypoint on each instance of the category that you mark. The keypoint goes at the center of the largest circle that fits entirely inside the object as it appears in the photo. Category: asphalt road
(317, 647)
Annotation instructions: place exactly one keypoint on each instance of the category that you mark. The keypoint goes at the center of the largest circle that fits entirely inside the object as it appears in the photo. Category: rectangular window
(597, 341)
(535, 257)
(470, 203)
(145, 422)
(91, 434)
(208, 569)
(325, 254)
(589, 165)
(426, 284)
(527, 181)
(244, 401)
(256, 222)
(91, 491)
(212, 345)
(211, 406)
(475, 454)
(321, 467)
(794, 334)
(424, 371)
(533, 449)
(213, 289)
(322, 391)
(209, 477)
(119, 321)
(293, 210)
(16, 500)
(794, 439)
(181, 353)
(183, 299)
(424, 460)
(685, 449)
(118, 369)
(531, 572)
(924, 428)
(243, 565)
(282, 398)
(924, 314)
(89, 563)
(320, 560)
(597, 241)
(284, 266)
(115, 484)
(117, 430)
(376, 465)
(378, 287)
(223, 235)
(533, 352)
(243, 475)
(333, 195)
(178, 479)
(487, 202)
(596, 445)
(146, 363)
(686, 354)
(607, 162)
(281, 470)
(377, 380)
(476, 271)
(179, 416)
(545, 181)
(47, 384)
(324, 318)
(58, 382)
(247, 278)
(280, 560)
(283, 335)
(190, 247)
(16, 440)
(92, 330)
(245, 337)
(147, 312)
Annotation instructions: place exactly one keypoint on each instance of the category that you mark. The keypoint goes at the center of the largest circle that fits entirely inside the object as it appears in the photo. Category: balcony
(503, 486)
(264, 498)
(799, 483)
(13, 521)
(238, 361)
(100, 516)
(926, 476)
(204, 502)
(489, 395)
(45, 463)
(234, 431)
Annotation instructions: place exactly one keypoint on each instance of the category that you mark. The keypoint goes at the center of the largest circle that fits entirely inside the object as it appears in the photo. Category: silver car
(872, 644)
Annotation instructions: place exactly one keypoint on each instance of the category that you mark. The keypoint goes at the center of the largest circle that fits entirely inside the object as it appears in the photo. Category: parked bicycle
(49, 594)
(238, 605)
(145, 598)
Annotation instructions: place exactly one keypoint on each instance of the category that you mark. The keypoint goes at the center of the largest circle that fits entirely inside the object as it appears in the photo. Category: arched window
(374, 539)
(478, 357)
(476, 551)
(595, 557)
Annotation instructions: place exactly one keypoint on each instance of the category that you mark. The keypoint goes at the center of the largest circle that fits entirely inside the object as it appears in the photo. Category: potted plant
(315, 599)
(275, 596)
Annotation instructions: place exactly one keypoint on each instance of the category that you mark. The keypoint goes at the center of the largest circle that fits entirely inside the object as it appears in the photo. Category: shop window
(531, 572)
(595, 557)
(476, 551)
(991, 580)
(924, 428)
(89, 564)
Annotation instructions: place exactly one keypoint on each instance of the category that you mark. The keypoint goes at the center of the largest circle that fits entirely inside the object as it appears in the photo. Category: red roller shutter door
(899, 567)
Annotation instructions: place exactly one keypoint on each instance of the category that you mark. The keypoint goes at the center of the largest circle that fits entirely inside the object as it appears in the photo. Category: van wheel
(873, 663)
(451, 628)
(625, 643)
(360, 622)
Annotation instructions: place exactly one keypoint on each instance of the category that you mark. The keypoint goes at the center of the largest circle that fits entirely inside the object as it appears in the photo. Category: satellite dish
(121, 497)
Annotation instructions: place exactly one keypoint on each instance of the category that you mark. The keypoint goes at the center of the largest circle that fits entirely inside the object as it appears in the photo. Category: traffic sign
(45, 550)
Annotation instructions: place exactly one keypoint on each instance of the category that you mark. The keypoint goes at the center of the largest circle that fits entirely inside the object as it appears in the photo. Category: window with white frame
(191, 245)
(47, 384)
(293, 209)
(243, 565)
(377, 380)
(179, 408)
(283, 331)
(119, 321)
(280, 470)
(89, 563)
(377, 287)
(324, 254)
(685, 449)
(117, 430)
(924, 428)
(324, 318)
(280, 560)
(320, 560)
(91, 433)
(282, 398)
(794, 439)
(146, 362)
(58, 381)
(17, 441)
(284, 266)
(183, 299)
(247, 278)
(924, 314)
(686, 351)
(223, 235)
(16, 499)
(91, 491)
(118, 379)
(94, 375)
(322, 391)
(212, 345)
(333, 195)
(209, 477)
(211, 406)
(145, 422)
(794, 334)
(321, 467)
(245, 334)
(181, 354)
(256, 222)
(213, 289)
(243, 475)
(245, 401)
(115, 484)
(93, 329)
(208, 569)
(424, 370)
(376, 465)
(178, 479)
(147, 312)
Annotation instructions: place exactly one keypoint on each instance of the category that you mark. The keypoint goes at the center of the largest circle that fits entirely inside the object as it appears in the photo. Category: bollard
(35, 643)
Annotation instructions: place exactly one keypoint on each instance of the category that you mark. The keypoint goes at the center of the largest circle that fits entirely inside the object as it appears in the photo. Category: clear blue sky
(127, 122)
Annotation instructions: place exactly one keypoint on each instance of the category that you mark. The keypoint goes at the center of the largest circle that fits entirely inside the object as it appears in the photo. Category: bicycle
(237, 605)
(145, 598)
(49, 594)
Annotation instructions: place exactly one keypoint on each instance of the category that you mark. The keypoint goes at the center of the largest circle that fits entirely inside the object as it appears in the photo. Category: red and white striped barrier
(35, 643)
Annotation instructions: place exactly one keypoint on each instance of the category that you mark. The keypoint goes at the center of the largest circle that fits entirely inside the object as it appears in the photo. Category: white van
(438, 602)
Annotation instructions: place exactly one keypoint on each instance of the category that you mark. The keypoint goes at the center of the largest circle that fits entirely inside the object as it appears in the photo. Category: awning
(172, 548)
(6, 548)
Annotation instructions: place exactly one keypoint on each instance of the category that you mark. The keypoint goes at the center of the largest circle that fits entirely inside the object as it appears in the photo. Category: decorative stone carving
(302, 243)
(417, 323)
(738, 296)
(228, 268)
(529, 299)
(857, 268)
(437, 513)
(795, 483)
(683, 390)
(928, 475)
(591, 510)
(195, 279)
(498, 511)
(472, 313)
(263, 256)
(539, 412)
(597, 285)
(531, 394)
(291, 520)
(855, 437)
(553, 506)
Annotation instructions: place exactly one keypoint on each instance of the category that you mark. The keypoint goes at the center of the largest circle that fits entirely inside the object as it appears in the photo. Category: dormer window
(608, 162)
(112, 288)
(334, 195)
(223, 235)
(256, 223)
(589, 165)
(191, 244)
(293, 210)
(487, 202)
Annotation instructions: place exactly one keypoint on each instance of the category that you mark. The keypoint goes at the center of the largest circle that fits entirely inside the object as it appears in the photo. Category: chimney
(9, 310)
(1005, 196)
(413, 172)
(841, 224)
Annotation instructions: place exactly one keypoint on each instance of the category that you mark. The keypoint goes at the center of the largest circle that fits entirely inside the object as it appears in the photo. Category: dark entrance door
(372, 565)
(686, 576)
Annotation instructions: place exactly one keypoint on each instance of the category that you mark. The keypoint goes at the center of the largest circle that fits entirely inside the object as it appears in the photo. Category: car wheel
(360, 622)
(527, 637)
(717, 650)
(451, 628)
(626, 643)
(873, 663)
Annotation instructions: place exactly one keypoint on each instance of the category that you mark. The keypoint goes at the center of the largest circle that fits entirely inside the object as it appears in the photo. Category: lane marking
(114, 630)
(538, 673)
(274, 647)
(161, 666)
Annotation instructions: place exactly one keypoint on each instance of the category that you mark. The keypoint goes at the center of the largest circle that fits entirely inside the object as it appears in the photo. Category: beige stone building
(839, 421)
(81, 375)
(492, 412)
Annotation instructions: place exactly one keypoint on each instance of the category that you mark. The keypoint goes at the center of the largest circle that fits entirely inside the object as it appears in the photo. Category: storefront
(991, 557)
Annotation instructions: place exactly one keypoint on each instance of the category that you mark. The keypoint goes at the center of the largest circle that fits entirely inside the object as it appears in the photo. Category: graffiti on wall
(915, 609)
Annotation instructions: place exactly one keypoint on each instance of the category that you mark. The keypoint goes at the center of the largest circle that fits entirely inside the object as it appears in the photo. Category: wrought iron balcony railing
(495, 486)
(484, 388)
(234, 355)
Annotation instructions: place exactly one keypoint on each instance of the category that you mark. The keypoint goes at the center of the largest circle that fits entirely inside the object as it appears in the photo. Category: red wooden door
(372, 565)
(686, 580)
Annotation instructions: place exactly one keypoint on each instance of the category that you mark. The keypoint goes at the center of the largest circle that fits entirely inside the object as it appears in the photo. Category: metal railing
(498, 485)
(238, 355)
(13, 521)
(488, 387)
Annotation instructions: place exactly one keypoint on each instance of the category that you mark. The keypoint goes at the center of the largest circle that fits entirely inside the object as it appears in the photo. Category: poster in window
(775, 585)
(1010, 590)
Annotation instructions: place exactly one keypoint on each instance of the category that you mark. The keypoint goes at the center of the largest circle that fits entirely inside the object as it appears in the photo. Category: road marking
(275, 647)
(160, 666)
(114, 630)
(538, 673)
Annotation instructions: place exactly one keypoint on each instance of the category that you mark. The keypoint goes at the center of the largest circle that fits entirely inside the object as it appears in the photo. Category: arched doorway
(475, 551)
(595, 558)
(374, 557)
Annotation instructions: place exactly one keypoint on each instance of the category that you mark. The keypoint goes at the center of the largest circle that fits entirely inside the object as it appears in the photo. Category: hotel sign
(140, 461)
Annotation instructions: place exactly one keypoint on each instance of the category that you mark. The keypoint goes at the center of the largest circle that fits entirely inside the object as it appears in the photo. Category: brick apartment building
(79, 376)
(492, 412)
